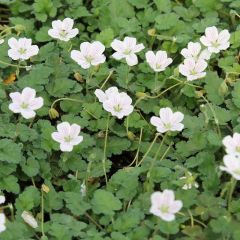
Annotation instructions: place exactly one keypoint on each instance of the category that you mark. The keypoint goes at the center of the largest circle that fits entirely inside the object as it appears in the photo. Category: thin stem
(191, 217)
(93, 221)
(185, 83)
(105, 149)
(231, 190)
(13, 65)
(42, 213)
(149, 149)
(5, 30)
(214, 115)
(127, 75)
(155, 157)
(108, 77)
(156, 81)
(89, 79)
(137, 153)
(68, 99)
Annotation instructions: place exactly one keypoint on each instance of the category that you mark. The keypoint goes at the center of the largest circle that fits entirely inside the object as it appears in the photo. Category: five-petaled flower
(194, 51)
(164, 205)
(232, 144)
(25, 103)
(68, 136)
(189, 181)
(127, 49)
(2, 222)
(21, 49)
(232, 165)
(193, 69)
(115, 102)
(63, 30)
(90, 54)
(215, 41)
(168, 120)
(159, 61)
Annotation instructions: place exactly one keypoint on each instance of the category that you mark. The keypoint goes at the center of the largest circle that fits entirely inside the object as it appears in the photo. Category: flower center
(89, 58)
(193, 72)
(24, 105)
(215, 44)
(117, 108)
(238, 149)
(158, 65)
(164, 209)
(63, 33)
(22, 50)
(127, 51)
(168, 125)
(68, 139)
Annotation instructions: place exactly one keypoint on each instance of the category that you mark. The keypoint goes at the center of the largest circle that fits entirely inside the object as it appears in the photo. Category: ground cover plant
(119, 119)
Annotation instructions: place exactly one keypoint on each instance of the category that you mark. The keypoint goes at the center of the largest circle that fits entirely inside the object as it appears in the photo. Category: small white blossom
(1, 41)
(90, 54)
(215, 41)
(232, 165)
(2, 222)
(189, 181)
(194, 50)
(68, 136)
(118, 104)
(232, 144)
(63, 30)
(29, 219)
(127, 49)
(25, 103)
(21, 49)
(103, 96)
(193, 69)
(168, 120)
(2, 199)
(164, 205)
(159, 61)
(83, 189)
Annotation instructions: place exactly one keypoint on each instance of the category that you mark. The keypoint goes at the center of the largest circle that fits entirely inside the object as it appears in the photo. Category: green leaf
(105, 202)
(10, 151)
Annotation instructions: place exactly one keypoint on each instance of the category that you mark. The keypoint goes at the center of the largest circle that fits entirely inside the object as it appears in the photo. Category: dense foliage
(68, 193)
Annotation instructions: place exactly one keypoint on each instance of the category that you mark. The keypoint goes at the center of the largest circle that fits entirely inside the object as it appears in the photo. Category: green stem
(185, 83)
(231, 190)
(89, 79)
(42, 213)
(68, 99)
(149, 149)
(127, 75)
(5, 30)
(155, 157)
(155, 81)
(105, 149)
(108, 77)
(12, 65)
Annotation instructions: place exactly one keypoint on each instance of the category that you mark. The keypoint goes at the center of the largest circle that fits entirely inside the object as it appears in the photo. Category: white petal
(100, 95)
(28, 113)
(64, 128)
(131, 60)
(66, 147)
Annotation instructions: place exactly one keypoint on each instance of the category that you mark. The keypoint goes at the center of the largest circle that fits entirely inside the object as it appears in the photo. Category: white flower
(2, 199)
(214, 40)
(25, 103)
(2, 222)
(232, 144)
(83, 189)
(90, 54)
(29, 219)
(127, 49)
(103, 96)
(1, 41)
(164, 205)
(193, 50)
(21, 49)
(168, 120)
(118, 104)
(189, 181)
(159, 61)
(232, 165)
(67, 135)
(63, 30)
(193, 69)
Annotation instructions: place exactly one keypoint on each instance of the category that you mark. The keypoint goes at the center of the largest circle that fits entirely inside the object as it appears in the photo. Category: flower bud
(45, 188)
(53, 113)
(199, 93)
(151, 32)
(140, 94)
(131, 135)
(223, 89)
(78, 77)
(20, 28)
(29, 219)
